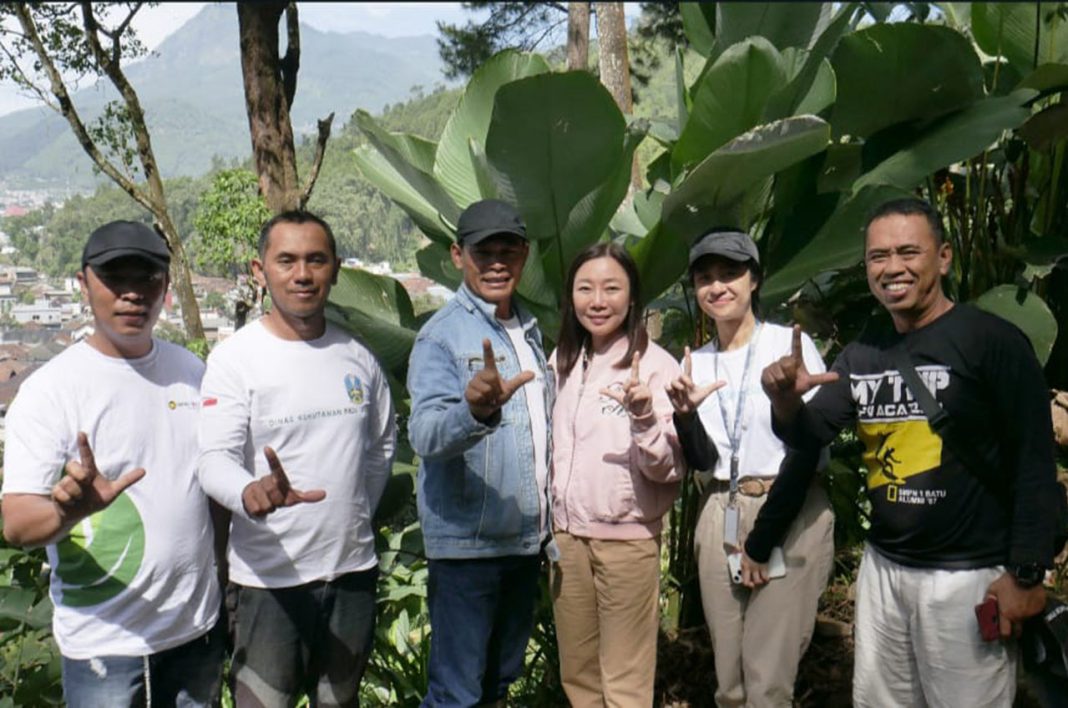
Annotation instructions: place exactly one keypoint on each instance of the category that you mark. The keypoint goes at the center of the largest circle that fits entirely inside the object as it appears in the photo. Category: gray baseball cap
(733, 245)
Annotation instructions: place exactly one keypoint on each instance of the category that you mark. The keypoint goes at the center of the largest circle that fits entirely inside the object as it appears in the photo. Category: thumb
(310, 496)
(820, 379)
(512, 385)
(617, 396)
(127, 480)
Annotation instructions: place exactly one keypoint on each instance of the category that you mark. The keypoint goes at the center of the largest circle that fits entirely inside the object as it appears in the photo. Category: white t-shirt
(535, 395)
(761, 450)
(324, 407)
(138, 577)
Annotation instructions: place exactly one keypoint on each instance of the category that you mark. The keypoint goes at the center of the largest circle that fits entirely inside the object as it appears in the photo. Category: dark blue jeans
(481, 616)
(187, 675)
(312, 639)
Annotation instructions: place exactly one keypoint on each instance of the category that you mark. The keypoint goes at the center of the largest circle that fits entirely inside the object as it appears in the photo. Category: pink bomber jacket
(613, 476)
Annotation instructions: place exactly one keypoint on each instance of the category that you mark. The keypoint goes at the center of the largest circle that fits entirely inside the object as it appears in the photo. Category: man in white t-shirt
(480, 387)
(99, 467)
(296, 439)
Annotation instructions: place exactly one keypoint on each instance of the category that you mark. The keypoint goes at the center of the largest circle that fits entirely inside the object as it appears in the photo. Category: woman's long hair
(573, 336)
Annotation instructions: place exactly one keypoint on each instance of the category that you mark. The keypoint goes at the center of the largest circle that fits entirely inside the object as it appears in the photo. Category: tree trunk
(615, 65)
(267, 101)
(578, 36)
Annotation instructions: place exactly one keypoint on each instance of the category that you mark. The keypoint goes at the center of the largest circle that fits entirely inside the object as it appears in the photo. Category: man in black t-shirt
(952, 523)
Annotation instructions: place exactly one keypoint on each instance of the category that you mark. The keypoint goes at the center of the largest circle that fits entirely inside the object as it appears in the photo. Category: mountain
(192, 92)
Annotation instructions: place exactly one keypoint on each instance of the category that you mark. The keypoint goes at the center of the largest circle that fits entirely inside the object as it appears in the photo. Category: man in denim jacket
(479, 424)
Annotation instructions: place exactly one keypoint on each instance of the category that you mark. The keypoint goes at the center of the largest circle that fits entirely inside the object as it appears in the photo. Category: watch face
(1029, 575)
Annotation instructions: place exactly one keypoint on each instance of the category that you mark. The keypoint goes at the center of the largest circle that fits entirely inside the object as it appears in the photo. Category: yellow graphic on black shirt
(893, 452)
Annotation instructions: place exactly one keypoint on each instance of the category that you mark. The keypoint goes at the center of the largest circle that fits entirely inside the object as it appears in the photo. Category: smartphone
(986, 612)
(734, 567)
(776, 564)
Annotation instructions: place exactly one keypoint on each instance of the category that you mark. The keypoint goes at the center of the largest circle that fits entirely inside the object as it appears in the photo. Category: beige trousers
(605, 601)
(759, 636)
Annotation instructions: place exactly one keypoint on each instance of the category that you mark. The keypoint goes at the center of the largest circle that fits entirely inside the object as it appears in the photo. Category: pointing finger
(85, 453)
(635, 364)
(795, 348)
(277, 471)
(687, 363)
(489, 362)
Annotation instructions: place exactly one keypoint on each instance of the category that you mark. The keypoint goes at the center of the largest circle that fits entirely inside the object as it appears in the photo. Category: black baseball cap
(489, 217)
(125, 238)
(728, 243)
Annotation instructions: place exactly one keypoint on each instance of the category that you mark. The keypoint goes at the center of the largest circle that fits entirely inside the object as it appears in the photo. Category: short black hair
(295, 216)
(909, 206)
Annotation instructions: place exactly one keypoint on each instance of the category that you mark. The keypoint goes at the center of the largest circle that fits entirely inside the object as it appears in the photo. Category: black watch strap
(1028, 575)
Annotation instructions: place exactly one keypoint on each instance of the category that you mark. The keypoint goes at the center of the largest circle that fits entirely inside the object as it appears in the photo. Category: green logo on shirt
(102, 554)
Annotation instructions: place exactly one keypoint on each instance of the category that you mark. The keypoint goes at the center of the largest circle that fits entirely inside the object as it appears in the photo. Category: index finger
(489, 361)
(687, 363)
(795, 349)
(635, 364)
(85, 454)
(275, 464)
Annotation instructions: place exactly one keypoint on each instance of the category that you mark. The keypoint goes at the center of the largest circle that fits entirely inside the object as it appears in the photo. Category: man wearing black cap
(99, 466)
(480, 389)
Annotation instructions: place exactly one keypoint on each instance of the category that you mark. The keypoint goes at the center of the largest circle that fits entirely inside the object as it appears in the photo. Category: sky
(391, 19)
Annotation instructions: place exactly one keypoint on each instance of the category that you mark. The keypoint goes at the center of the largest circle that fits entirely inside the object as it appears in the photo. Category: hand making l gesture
(272, 491)
(636, 398)
(685, 395)
(486, 391)
(788, 379)
(83, 490)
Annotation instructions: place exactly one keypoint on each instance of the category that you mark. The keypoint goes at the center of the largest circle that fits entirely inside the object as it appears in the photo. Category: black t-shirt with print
(928, 508)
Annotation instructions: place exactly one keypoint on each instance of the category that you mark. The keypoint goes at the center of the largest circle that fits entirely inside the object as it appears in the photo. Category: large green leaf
(957, 137)
(711, 194)
(453, 164)
(807, 83)
(699, 25)
(407, 154)
(839, 243)
(1047, 127)
(1025, 310)
(435, 263)
(715, 192)
(1047, 78)
(1009, 29)
(378, 311)
(892, 73)
(784, 24)
(562, 151)
(729, 99)
(382, 175)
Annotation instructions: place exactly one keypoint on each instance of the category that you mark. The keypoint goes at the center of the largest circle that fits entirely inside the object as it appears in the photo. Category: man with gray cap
(480, 388)
(99, 467)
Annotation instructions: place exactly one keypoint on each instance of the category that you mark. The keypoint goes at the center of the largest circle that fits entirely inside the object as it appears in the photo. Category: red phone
(987, 614)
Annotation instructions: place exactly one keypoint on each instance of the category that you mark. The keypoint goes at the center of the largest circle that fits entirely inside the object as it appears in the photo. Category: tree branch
(290, 63)
(67, 110)
(317, 161)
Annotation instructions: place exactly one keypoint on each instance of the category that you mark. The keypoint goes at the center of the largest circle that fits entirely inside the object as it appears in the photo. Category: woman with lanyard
(781, 537)
(616, 472)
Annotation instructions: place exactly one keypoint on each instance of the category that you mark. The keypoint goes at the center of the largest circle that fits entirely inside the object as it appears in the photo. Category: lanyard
(735, 437)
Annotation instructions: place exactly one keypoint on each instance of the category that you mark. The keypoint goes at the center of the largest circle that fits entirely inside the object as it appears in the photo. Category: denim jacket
(478, 494)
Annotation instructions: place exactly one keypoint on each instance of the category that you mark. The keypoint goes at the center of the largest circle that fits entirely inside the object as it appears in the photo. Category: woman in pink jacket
(616, 469)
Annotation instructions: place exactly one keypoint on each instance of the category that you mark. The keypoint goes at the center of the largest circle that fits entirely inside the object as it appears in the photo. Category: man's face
(905, 264)
(297, 269)
(492, 267)
(126, 296)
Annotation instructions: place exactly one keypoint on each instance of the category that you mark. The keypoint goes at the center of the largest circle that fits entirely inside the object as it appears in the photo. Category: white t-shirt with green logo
(138, 577)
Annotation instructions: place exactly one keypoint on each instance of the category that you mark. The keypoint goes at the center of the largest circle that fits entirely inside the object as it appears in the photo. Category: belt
(747, 486)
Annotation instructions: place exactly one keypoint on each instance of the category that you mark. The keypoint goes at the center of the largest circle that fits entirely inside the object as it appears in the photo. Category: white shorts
(918, 642)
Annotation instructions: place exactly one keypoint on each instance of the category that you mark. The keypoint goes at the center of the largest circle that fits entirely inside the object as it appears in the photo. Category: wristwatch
(1028, 575)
